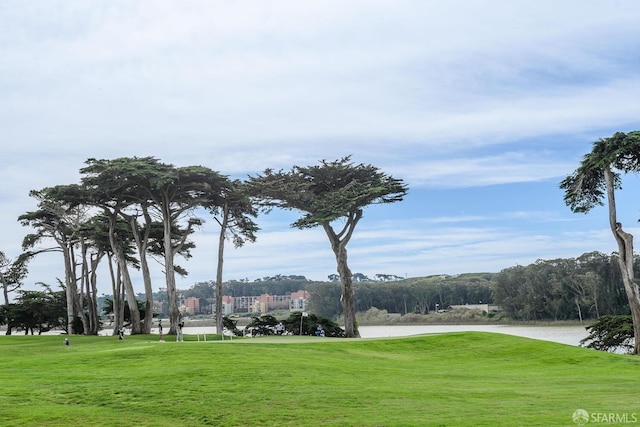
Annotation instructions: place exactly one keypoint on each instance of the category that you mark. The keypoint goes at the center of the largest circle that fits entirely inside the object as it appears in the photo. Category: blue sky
(481, 107)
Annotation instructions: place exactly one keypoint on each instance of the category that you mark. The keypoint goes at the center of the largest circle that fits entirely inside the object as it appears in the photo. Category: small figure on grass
(66, 341)
(121, 333)
(320, 331)
(179, 336)
(160, 330)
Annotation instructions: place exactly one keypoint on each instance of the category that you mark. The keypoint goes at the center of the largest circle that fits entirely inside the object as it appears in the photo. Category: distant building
(227, 305)
(158, 306)
(266, 303)
(298, 301)
(191, 305)
(243, 304)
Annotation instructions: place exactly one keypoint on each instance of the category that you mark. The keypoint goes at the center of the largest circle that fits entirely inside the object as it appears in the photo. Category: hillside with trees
(580, 289)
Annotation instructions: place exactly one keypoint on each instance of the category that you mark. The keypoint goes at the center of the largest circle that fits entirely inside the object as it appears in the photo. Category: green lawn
(459, 379)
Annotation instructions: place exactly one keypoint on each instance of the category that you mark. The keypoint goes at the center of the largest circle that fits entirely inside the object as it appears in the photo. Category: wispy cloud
(508, 167)
(449, 96)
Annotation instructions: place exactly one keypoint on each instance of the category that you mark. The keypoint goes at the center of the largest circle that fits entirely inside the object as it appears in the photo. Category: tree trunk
(70, 289)
(126, 278)
(579, 309)
(625, 259)
(5, 292)
(142, 243)
(348, 297)
(88, 272)
(115, 286)
(78, 310)
(174, 309)
(134, 312)
(221, 241)
(148, 294)
(93, 281)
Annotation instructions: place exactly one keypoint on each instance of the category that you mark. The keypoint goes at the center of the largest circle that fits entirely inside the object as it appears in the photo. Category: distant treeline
(561, 289)
(414, 295)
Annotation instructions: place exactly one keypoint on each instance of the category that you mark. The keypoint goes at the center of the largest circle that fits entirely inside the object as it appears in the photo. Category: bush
(309, 325)
(610, 333)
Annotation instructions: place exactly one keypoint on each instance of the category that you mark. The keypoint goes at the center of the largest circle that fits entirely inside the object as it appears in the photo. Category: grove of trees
(580, 288)
(123, 211)
(413, 295)
(34, 312)
(126, 210)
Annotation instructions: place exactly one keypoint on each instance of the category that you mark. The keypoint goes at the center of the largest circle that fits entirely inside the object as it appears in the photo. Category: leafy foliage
(12, 272)
(33, 311)
(610, 333)
(231, 325)
(310, 324)
(295, 324)
(562, 289)
(326, 192)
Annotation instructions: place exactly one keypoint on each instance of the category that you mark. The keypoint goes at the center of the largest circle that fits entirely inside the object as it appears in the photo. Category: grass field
(460, 379)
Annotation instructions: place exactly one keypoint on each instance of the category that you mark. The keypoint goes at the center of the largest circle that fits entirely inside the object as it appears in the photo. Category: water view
(570, 335)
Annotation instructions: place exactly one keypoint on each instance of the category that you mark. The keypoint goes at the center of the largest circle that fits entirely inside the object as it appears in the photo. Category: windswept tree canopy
(327, 192)
(585, 188)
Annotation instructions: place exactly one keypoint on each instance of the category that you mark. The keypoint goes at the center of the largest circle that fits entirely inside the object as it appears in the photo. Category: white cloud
(508, 167)
(442, 94)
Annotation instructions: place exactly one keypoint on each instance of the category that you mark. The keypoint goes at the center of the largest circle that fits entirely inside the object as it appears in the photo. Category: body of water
(570, 335)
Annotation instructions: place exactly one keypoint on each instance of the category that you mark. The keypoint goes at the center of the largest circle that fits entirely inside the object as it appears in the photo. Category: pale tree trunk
(595, 300)
(126, 280)
(171, 248)
(579, 309)
(5, 292)
(174, 309)
(142, 243)
(348, 296)
(131, 296)
(221, 241)
(120, 316)
(148, 293)
(88, 270)
(77, 296)
(93, 283)
(339, 247)
(625, 260)
(70, 288)
(115, 286)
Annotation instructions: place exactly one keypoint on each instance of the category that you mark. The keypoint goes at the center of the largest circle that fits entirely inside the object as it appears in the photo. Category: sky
(481, 107)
